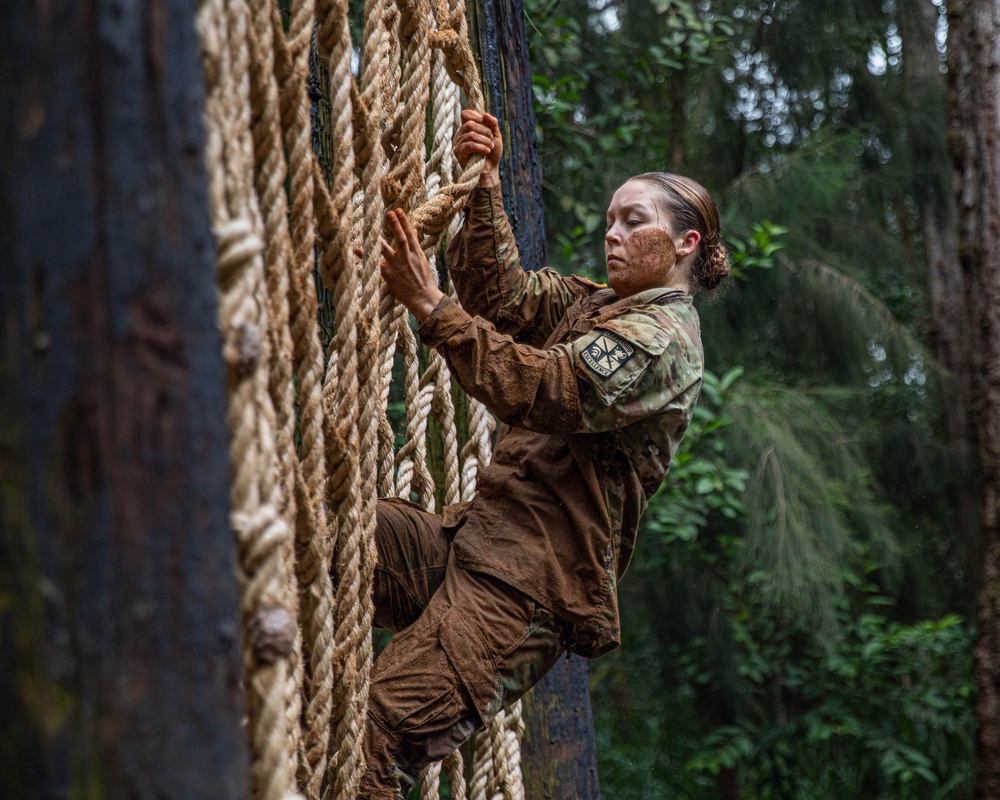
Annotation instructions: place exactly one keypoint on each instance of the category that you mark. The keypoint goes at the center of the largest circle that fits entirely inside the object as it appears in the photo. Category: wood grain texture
(974, 141)
(118, 630)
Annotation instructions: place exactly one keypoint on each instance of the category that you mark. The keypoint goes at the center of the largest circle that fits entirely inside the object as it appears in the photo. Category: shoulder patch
(607, 353)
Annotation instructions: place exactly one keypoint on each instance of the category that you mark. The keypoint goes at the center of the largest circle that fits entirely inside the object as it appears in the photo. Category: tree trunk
(974, 68)
(500, 37)
(119, 654)
(558, 752)
(925, 96)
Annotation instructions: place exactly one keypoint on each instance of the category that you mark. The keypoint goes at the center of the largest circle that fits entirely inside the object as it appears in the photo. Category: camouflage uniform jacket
(595, 393)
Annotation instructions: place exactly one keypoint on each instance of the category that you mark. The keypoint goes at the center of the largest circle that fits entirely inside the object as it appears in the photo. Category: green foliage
(882, 711)
(777, 615)
(717, 681)
(756, 251)
(810, 496)
(700, 487)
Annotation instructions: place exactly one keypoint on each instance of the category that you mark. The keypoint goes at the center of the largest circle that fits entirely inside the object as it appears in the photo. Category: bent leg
(412, 559)
(478, 646)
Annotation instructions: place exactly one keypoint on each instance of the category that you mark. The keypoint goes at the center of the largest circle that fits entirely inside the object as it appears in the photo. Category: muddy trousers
(466, 645)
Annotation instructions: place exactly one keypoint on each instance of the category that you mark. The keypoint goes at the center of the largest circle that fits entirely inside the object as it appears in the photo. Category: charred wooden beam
(119, 645)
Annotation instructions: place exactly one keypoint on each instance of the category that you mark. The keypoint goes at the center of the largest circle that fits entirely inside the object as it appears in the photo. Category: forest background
(799, 617)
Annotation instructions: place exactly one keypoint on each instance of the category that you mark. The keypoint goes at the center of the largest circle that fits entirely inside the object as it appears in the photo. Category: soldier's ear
(687, 243)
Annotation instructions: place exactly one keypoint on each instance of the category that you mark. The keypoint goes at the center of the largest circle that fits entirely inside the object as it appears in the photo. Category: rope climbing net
(312, 446)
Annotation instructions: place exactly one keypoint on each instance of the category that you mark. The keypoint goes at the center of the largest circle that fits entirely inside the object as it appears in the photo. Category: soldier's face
(638, 244)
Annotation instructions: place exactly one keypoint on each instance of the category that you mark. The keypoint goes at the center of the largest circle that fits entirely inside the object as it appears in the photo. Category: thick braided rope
(373, 75)
(392, 319)
(405, 172)
(356, 557)
(430, 782)
(434, 216)
(511, 756)
(338, 268)
(392, 316)
(482, 766)
(305, 518)
(270, 174)
(499, 777)
(454, 768)
(357, 382)
(390, 83)
(411, 457)
(444, 113)
(407, 167)
(505, 776)
(476, 452)
(313, 536)
(444, 408)
(263, 537)
(444, 116)
(421, 394)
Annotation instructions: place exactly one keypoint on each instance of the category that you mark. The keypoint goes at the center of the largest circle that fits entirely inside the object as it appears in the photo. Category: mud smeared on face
(650, 250)
(649, 258)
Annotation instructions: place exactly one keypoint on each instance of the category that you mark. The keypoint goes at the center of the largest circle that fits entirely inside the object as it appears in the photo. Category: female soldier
(596, 387)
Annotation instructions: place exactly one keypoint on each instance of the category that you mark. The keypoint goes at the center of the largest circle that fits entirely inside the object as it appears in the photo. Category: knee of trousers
(415, 725)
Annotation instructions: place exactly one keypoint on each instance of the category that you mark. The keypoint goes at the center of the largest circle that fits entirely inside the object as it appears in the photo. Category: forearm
(522, 385)
(490, 282)
(482, 257)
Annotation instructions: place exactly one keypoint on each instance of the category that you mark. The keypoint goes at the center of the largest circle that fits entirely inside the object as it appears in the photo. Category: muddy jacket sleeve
(486, 271)
(643, 362)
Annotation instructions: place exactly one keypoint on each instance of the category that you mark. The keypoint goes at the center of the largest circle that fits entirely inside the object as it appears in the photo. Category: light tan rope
(262, 534)
(270, 173)
(338, 269)
(505, 776)
(482, 766)
(355, 651)
(430, 782)
(313, 535)
(454, 768)
(270, 207)
(511, 756)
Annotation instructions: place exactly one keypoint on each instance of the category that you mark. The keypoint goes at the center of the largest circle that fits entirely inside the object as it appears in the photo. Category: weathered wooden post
(119, 646)
(558, 753)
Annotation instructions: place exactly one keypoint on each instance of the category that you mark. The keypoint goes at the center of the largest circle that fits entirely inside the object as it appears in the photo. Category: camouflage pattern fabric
(595, 391)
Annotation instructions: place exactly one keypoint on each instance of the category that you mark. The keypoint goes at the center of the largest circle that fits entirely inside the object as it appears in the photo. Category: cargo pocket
(473, 662)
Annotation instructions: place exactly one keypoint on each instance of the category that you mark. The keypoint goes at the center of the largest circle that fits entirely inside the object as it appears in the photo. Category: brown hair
(692, 208)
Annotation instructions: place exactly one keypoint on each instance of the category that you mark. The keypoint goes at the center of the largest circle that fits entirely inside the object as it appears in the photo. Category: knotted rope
(312, 445)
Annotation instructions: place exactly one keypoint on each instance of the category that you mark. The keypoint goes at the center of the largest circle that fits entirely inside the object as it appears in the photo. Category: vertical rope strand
(262, 534)
(270, 208)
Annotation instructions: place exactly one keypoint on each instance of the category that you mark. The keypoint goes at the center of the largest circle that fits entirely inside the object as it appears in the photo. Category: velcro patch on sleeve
(607, 353)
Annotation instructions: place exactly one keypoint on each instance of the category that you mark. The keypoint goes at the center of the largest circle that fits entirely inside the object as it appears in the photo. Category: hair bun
(714, 268)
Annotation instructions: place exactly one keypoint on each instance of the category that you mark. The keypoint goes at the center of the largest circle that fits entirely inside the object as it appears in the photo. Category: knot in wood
(272, 634)
(248, 347)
